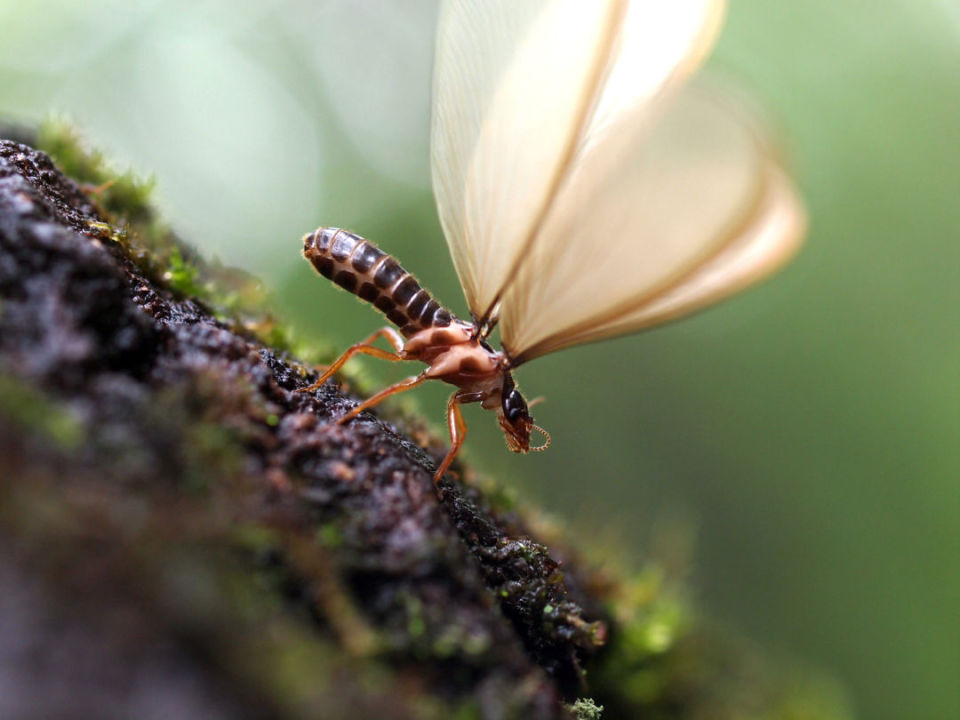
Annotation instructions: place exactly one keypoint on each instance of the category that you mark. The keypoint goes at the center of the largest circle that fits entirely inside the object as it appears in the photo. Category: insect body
(451, 348)
(585, 191)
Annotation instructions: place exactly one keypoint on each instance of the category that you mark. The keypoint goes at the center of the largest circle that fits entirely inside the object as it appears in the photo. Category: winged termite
(585, 191)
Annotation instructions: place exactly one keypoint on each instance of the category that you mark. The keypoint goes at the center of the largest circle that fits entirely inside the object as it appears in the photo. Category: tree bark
(184, 534)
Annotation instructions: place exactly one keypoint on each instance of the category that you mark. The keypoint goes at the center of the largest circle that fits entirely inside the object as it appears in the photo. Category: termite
(453, 350)
(585, 190)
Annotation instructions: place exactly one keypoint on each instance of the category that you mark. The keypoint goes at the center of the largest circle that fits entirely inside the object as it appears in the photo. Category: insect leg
(402, 386)
(458, 432)
(364, 347)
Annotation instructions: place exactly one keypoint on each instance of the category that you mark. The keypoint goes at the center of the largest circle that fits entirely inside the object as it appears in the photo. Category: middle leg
(402, 386)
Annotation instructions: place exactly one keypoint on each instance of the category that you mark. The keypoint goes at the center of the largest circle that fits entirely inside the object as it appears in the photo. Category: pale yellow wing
(521, 89)
(653, 223)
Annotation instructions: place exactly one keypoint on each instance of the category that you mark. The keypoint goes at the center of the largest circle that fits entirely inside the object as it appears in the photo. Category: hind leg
(364, 347)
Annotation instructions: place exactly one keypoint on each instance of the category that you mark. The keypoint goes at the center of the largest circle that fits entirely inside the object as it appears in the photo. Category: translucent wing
(522, 89)
(656, 219)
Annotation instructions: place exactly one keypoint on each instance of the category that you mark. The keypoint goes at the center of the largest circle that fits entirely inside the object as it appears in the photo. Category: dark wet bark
(148, 427)
(183, 534)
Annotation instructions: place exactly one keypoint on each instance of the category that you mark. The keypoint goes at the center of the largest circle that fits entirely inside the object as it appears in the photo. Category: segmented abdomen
(359, 266)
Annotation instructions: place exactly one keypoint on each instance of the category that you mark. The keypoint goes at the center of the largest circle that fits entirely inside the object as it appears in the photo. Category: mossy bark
(183, 533)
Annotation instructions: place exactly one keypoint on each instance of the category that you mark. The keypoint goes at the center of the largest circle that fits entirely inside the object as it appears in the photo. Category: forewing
(519, 88)
(653, 224)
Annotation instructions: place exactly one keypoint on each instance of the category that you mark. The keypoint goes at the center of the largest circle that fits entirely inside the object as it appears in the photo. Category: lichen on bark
(179, 525)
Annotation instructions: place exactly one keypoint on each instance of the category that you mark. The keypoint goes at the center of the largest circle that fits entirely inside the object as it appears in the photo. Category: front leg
(457, 427)
(364, 347)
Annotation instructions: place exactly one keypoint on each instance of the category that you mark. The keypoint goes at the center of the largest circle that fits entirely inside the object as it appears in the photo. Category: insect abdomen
(357, 265)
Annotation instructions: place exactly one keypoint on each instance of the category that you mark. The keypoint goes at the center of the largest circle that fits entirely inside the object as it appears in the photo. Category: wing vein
(592, 92)
(731, 235)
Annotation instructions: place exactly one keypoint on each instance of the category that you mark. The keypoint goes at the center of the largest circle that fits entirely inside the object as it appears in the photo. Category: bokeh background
(808, 430)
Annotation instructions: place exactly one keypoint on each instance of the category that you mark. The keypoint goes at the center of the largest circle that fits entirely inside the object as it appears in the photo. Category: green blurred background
(809, 430)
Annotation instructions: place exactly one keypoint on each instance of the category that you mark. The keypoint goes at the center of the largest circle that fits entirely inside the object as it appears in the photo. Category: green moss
(665, 661)
(183, 277)
(119, 193)
(33, 412)
(586, 709)
(234, 297)
(650, 619)
(416, 625)
(501, 498)
(211, 451)
(329, 535)
(255, 538)
(430, 633)
(467, 711)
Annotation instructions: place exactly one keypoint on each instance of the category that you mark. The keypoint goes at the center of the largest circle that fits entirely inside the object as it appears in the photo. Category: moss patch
(32, 413)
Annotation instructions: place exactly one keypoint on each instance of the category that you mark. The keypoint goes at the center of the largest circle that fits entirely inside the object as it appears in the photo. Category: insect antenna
(546, 439)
